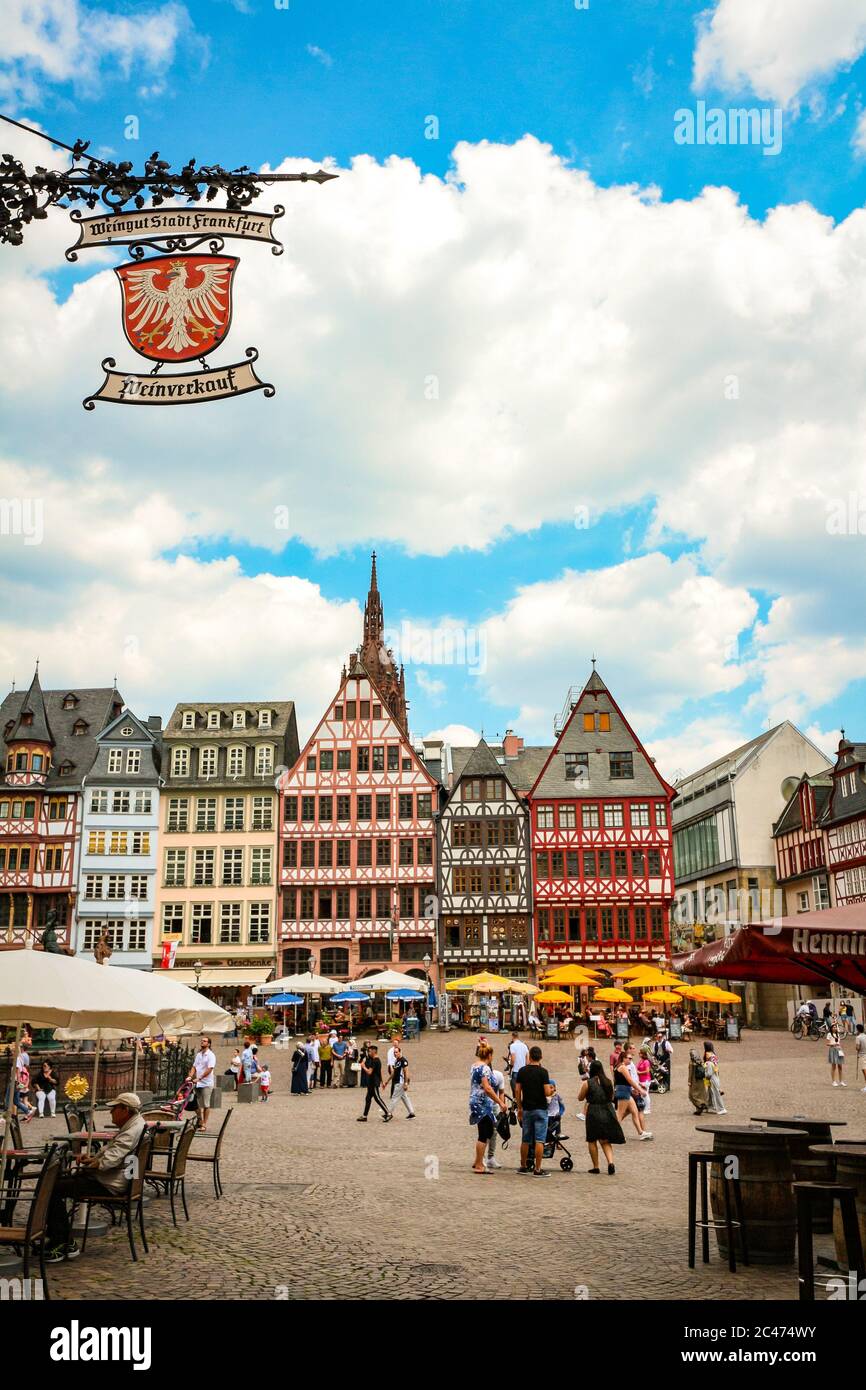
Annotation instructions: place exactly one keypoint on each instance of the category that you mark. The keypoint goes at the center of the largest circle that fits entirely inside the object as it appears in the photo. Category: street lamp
(312, 963)
(197, 967)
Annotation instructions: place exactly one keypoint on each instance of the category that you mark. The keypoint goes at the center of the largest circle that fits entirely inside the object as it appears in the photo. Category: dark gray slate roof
(93, 710)
(596, 698)
(522, 771)
(791, 818)
(850, 757)
(283, 733)
(148, 740)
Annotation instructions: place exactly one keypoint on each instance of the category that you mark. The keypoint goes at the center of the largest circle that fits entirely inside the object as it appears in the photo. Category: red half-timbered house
(50, 745)
(845, 824)
(358, 871)
(601, 838)
(801, 846)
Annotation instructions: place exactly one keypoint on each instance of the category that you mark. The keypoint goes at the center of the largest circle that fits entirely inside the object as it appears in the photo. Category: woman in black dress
(602, 1126)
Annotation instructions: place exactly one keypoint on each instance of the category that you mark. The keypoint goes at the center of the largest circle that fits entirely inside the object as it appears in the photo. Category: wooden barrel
(763, 1164)
(850, 1172)
(812, 1167)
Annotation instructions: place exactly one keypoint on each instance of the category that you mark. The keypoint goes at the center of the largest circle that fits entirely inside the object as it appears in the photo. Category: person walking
(300, 1067)
(662, 1051)
(644, 1071)
(398, 1075)
(483, 1101)
(339, 1048)
(835, 1055)
(46, 1090)
(625, 1092)
(715, 1100)
(860, 1050)
(517, 1056)
(325, 1062)
(204, 1070)
(264, 1082)
(697, 1082)
(498, 1083)
(602, 1126)
(371, 1080)
(532, 1091)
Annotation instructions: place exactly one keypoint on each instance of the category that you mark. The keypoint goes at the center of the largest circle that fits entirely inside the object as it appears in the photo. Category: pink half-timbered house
(358, 843)
(601, 837)
(50, 746)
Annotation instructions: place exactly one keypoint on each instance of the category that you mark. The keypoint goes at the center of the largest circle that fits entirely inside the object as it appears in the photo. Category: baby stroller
(184, 1099)
(554, 1142)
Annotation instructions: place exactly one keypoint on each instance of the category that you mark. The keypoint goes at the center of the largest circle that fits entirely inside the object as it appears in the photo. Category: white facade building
(117, 877)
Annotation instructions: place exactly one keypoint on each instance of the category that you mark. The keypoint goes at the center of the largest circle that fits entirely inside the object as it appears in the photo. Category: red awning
(809, 948)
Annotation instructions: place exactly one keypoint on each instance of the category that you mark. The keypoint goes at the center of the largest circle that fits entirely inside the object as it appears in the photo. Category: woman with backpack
(697, 1086)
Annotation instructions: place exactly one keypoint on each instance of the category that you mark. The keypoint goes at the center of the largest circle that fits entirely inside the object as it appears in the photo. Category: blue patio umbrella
(284, 1000)
(431, 998)
(349, 996)
(405, 994)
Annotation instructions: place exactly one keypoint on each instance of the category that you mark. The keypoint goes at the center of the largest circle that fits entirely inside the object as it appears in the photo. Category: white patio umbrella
(385, 981)
(50, 990)
(308, 983)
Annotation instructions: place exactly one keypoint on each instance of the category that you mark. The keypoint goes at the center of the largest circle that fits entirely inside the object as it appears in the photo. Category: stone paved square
(317, 1206)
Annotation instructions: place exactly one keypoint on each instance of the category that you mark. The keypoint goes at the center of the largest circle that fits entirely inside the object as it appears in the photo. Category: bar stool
(806, 1193)
(699, 1161)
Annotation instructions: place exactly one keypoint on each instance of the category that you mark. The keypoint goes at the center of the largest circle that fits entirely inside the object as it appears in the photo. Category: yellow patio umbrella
(571, 975)
(552, 996)
(613, 996)
(650, 976)
(686, 991)
(727, 996)
(487, 983)
(663, 996)
(713, 995)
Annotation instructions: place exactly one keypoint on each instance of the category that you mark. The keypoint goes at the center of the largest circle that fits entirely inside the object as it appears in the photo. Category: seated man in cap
(107, 1171)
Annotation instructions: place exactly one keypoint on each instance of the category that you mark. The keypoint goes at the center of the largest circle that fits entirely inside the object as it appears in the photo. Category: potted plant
(260, 1030)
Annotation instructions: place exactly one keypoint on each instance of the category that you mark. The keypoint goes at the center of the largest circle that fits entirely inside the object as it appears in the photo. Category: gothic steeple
(32, 724)
(377, 659)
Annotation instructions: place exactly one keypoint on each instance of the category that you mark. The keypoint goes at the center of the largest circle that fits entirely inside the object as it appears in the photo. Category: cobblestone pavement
(317, 1206)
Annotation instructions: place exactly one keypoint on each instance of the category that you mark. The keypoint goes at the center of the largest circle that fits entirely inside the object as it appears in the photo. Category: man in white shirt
(204, 1071)
(518, 1055)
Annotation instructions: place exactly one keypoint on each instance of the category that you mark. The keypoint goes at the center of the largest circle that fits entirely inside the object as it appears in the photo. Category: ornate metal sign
(177, 308)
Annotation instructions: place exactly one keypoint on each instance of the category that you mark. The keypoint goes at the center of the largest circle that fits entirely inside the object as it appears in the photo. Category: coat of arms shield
(177, 308)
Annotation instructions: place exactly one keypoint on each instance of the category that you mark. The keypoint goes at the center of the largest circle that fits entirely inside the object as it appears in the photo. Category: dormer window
(70, 701)
(188, 719)
(264, 718)
(115, 760)
(207, 762)
(80, 727)
(66, 768)
(213, 718)
(8, 727)
(239, 719)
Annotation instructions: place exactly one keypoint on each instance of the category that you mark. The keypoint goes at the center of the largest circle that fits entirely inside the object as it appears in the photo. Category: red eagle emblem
(177, 308)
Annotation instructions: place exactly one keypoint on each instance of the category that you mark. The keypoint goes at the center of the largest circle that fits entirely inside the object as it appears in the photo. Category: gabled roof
(849, 758)
(596, 746)
(791, 817)
(522, 770)
(482, 763)
(736, 762)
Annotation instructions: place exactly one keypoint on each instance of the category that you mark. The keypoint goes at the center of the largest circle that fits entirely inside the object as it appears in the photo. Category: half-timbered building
(358, 870)
(50, 746)
(845, 824)
(484, 841)
(801, 846)
(601, 839)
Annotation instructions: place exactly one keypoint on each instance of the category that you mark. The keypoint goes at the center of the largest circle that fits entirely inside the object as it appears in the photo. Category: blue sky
(247, 82)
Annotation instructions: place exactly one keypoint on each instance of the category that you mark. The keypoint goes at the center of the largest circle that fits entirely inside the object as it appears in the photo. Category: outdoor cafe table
(763, 1166)
(807, 1165)
(849, 1161)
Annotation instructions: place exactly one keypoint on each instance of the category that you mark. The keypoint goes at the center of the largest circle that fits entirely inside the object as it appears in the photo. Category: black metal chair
(700, 1161)
(807, 1193)
(173, 1178)
(127, 1202)
(214, 1156)
(33, 1234)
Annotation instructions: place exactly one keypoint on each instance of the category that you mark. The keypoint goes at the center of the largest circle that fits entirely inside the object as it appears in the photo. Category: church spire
(32, 724)
(378, 660)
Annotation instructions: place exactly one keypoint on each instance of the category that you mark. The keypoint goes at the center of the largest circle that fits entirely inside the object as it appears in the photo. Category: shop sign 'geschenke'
(177, 306)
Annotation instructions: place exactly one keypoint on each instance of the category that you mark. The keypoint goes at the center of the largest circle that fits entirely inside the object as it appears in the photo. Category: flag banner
(181, 388)
(175, 224)
(169, 953)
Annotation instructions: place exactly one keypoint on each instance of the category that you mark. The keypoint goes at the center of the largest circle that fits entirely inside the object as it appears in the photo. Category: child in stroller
(184, 1099)
(555, 1137)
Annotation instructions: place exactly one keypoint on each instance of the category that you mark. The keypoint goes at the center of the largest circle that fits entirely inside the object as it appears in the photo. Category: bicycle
(808, 1028)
